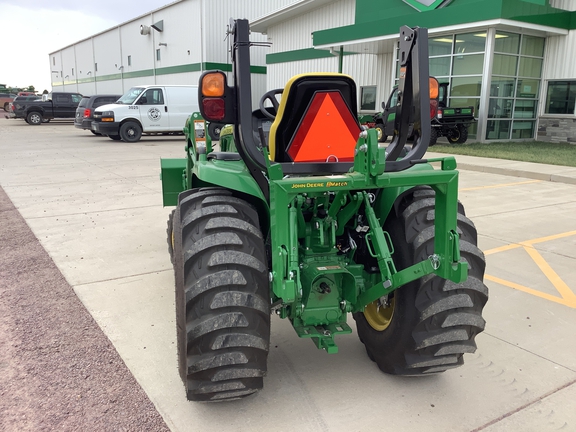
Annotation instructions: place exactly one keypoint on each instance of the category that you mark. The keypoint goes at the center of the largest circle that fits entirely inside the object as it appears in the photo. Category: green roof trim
(301, 54)
(372, 20)
(191, 67)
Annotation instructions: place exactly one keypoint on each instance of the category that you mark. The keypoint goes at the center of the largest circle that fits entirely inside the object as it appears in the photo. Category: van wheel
(130, 132)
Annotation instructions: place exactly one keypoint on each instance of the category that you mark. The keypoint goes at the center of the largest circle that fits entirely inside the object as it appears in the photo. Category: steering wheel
(271, 96)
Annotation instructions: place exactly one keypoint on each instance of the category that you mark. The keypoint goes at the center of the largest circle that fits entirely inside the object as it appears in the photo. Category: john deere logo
(427, 5)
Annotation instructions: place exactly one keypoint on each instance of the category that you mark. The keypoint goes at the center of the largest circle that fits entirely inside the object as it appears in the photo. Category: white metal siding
(569, 5)
(558, 61)
(182, 33)
(216, 23)
(297, 33)
(194, 33)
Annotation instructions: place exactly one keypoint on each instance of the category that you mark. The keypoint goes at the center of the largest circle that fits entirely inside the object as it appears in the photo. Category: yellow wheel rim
(379, 317)
(379, 131)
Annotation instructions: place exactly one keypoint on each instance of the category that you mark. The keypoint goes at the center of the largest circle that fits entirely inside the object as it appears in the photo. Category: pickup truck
(52, 105)
(449, 122)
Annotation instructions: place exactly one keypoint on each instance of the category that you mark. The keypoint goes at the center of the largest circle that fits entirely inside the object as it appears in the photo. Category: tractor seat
(316, 121)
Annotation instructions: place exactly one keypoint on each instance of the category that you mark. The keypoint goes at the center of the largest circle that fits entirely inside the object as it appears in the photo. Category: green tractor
(301, 213)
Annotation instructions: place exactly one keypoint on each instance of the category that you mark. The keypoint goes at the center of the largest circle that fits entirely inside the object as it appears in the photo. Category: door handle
(165, 108)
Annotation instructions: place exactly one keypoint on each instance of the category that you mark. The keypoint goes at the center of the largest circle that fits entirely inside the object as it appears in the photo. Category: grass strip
(525, 151)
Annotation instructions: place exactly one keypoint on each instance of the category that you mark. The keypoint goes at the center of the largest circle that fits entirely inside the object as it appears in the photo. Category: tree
(31, 89)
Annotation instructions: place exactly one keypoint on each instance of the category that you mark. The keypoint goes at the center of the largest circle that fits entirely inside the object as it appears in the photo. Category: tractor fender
(231, 175)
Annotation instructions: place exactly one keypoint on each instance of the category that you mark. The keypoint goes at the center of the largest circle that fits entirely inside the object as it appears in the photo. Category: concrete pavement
(95, 206)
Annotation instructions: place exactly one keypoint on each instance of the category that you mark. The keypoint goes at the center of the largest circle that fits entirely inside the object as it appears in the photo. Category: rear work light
(434, 92)
(213, 84)
(213, 93)
(434, 111)
(214, 108)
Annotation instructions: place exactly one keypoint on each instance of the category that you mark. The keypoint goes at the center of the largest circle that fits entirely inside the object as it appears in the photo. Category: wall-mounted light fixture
(159, 26)
(89, 73)
(163, 44)
(145, 30)
(66, 76)
(121, 67)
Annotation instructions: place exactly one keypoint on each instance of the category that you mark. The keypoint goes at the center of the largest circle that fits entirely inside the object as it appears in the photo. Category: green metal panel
(227, 174)
(172, 172)
(459, 12)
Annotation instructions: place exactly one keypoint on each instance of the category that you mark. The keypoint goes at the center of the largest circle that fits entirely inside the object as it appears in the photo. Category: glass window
(76, 98)
(440, 66)
(393, 98)
(505, 64)
(502, 87)
(525, 109)
(158, 54)
(527, 88)
(440, 45)
(530, 67)
(532, 46)
(368, 98)
(129, 60)
(152, 96)
(523, 129)
(470, 43)
(561, 97)
(500, 108)
(466, 86)
(507, 42)
(468, 64)
(498, 129)
(95, 67)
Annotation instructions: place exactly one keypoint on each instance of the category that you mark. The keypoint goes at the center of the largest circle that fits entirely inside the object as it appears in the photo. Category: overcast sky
(31, 29)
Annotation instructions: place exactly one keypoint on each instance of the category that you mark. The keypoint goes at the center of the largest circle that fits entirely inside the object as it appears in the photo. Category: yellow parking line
(552, 276)
(562, 301)
(500, 185)
(529, 242)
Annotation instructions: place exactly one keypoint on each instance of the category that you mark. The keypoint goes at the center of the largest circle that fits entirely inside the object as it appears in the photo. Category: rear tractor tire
(222, 295)
(427, 325)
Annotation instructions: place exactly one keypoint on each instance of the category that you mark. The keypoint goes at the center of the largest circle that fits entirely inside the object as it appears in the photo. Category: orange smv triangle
(328, 131)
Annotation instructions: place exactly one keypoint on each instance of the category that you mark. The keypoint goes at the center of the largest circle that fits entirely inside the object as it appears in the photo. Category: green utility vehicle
(449, 122)
(302, 214)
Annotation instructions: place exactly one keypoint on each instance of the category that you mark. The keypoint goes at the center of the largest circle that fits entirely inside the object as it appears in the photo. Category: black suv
(85, 110)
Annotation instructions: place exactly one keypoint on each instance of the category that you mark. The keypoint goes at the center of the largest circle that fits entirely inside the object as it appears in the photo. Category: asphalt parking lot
(96, 207)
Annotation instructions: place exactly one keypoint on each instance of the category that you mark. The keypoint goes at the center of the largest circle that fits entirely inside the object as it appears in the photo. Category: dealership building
(510, 59)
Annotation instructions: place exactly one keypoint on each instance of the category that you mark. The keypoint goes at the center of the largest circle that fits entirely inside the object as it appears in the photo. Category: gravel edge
(58, 370)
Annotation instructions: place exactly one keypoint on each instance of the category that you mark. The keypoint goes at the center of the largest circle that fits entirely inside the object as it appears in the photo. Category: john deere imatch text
(303, 214)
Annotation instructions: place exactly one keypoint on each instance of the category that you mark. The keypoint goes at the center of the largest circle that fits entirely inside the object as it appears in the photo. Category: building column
(486, 82)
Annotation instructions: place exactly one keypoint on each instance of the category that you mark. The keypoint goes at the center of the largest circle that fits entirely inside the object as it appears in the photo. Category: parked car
(52, 105)
(86, 107)
(19, 101)
(5, 99)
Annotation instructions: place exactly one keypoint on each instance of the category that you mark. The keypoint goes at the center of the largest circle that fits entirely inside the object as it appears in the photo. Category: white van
(146, 109)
